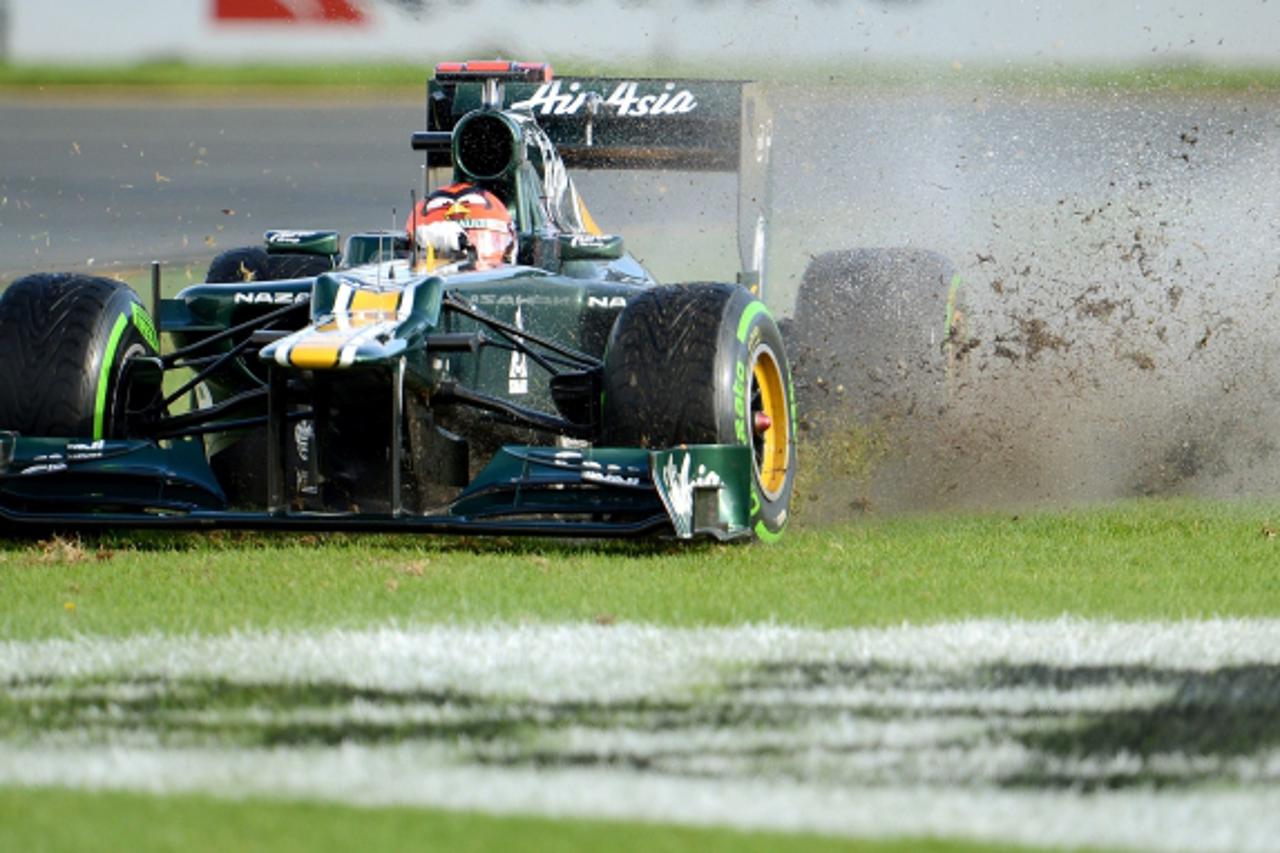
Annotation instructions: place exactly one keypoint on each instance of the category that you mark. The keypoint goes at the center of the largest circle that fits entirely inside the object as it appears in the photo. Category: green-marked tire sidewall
(125, 329)
(746, 330)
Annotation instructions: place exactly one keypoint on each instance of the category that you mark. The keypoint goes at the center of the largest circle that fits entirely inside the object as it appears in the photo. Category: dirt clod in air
(1142, 360)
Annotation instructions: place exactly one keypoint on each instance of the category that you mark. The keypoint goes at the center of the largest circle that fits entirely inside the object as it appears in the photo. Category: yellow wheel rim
(771, 443)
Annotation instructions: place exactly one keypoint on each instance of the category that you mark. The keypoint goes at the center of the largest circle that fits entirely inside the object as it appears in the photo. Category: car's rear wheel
(705, 364)
(876, 334)
(65, 345)
(253, 263)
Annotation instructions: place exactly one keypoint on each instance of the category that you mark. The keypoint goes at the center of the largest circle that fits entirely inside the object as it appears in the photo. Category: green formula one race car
(499, 366)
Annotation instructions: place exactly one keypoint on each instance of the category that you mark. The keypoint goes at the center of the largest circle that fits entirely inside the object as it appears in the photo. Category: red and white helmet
(464, 210)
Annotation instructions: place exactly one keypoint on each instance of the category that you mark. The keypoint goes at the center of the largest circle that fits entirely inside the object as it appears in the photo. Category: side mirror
(282, 242)
(590, 247)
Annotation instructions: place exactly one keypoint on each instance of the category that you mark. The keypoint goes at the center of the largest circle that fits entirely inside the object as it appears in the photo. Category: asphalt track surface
(123, 182)
(1117, 249)
(964, 171)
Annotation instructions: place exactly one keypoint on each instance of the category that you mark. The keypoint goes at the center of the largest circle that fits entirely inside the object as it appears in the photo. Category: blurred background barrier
(647, 32)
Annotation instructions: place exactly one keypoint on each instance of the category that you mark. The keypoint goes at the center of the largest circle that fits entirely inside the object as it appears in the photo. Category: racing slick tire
(705, 364)
(65, 341)
(253, 263)
(874, 334)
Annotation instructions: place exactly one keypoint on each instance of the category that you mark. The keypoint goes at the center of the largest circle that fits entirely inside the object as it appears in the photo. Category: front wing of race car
(691, 491)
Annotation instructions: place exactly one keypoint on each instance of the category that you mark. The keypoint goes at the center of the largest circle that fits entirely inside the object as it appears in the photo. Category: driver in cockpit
(463, 223)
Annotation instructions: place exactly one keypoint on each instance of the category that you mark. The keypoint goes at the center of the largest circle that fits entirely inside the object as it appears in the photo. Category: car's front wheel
(705, 364)
(65, 345)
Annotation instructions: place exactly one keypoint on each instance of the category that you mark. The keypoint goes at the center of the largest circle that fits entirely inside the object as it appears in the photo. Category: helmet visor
(490, 245)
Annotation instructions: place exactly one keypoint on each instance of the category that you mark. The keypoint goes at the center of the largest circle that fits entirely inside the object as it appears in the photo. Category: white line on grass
(1228, 820)
(1067, 732)
(565, 662)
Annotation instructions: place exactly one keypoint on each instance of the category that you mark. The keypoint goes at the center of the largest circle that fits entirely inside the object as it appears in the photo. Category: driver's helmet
(460, 217)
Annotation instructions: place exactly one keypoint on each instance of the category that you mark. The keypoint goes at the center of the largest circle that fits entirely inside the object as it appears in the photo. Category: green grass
(181, 75)
(53, 820)
(1138, 560)
(1142, 560)
(328, 79)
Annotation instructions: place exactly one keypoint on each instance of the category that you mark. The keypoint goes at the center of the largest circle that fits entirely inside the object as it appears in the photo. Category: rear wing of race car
(627, 123)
